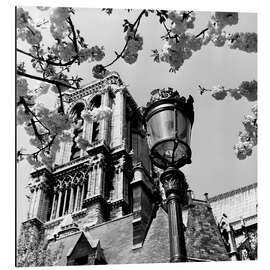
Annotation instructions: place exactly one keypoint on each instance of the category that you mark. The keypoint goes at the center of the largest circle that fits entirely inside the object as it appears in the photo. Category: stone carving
(97, 87)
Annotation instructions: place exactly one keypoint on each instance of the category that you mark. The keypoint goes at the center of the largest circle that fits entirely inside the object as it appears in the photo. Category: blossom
(65, 51)
(243, 41)
(47, 157)
(254, 109)
(59, 15)
(219, 92)
(182, 17)
(87, 116)
(59, 31)
(99, 72)
(226, 18)
(206, 38)
(42, 89)
(97, 114)
(134, 44)
(59, 26)
(95, 53)
(22, 18)
(181, 21)
(249, 90)
(33, 36)
(22, 88)
(243, 149)
(219, 39)
(101, 113)
(82, 143)
(22, 116)
(194, 44)
(33, 161)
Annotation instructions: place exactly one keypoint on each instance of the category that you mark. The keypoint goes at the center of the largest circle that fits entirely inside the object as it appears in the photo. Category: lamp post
(168, 121)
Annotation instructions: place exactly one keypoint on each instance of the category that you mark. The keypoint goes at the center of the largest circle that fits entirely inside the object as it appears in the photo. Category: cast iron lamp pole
(168, 122)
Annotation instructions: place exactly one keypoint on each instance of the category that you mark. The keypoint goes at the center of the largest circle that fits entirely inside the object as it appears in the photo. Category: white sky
(214, 168)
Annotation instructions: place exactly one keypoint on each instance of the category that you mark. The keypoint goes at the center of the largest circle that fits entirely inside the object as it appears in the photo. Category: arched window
(78, 129)
(95, 103)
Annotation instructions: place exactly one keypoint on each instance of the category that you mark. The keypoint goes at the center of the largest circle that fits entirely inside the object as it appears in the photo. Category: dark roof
(203, 239)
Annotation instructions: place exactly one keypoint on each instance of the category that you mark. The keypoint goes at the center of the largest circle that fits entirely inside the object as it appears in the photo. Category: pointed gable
(203, 239)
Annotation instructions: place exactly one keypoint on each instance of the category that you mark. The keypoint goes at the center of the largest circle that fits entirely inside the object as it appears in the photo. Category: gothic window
(95, 103)
(95, 131)
(78, 129)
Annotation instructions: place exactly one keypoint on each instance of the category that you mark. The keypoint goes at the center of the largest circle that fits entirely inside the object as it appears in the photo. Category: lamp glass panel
(161, 126)
(170, 153)
(183, 128)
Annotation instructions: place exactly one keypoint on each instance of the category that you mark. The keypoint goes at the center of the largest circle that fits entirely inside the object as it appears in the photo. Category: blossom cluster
(82, 143)
(180, 46)
(181, 21)
(22, 88)
(226, 18)
(64, 50)
(52, 127)
(97, 114)
(25, 28)
(59, 26)
(23, 116)
(245, 89)
(248, 138)
(134, 44)
(219, 92)
(94, 53)
(243, 41)
(175, 53)
(249, 90)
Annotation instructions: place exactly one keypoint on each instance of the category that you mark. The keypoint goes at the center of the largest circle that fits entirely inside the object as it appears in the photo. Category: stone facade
(237, 210)
(103, 205)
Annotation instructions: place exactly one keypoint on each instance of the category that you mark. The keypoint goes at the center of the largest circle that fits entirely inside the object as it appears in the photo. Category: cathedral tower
(94, 185)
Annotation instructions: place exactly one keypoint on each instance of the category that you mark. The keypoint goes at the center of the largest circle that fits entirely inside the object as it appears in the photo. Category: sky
(215, 168)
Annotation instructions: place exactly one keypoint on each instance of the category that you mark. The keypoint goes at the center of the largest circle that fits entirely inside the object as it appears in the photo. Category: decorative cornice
(40, 171)
(115, 204)
(100, 86)
(98, 146)
(33, 221)
(73, 164)
(91, 200)
(232, 193)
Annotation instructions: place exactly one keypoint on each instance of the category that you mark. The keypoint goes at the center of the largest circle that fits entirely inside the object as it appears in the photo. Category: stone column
(71, 199)
(76, 197)
(90, 183)
(32, 204)
(105, 122)
(37, 199)
(65, 202)
(59, 203)
(83, 189)
(53, 206)
(122, 114)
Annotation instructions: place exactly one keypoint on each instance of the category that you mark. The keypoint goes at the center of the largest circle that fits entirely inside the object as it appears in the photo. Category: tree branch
(137, 22)
(61, 99)
(49, 62)
(41, 149)
(20, 73)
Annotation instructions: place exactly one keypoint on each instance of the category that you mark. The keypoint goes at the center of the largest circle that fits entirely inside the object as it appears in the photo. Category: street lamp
(168, 121)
